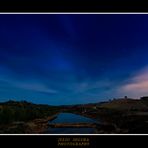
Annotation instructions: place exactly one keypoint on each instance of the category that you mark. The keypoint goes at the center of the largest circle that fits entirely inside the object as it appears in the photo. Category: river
(71, 118)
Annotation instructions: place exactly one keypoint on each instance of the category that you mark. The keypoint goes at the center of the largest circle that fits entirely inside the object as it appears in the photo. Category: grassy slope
(125, 104)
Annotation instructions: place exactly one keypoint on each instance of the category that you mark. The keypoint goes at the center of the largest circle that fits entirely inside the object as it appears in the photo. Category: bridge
(72, 125)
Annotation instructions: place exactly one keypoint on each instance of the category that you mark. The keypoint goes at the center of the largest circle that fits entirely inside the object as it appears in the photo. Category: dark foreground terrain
(25, 117)
(118, 116)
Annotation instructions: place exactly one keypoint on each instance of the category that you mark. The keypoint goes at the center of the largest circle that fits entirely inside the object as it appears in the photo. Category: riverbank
(39, 126)
(36, 126)
(122, 116)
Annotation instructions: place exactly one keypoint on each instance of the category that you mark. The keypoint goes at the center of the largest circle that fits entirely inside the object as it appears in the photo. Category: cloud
(137, 85)
(36, 87)
(25, 85)
(7, 79)
(85, 86)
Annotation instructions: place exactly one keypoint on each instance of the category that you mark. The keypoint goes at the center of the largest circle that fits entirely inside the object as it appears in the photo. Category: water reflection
(71, 118)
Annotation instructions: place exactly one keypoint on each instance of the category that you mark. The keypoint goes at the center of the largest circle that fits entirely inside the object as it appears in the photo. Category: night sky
(73, 58)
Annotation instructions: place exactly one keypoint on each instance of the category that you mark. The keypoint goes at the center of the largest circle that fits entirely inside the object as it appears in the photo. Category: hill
(12, 111)
(125, 104)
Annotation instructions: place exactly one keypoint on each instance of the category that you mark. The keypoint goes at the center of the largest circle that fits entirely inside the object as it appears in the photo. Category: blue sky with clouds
(73, 58)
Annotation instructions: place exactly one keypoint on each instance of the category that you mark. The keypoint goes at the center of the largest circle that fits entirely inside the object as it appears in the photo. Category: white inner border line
(73, 134)
(73, 13)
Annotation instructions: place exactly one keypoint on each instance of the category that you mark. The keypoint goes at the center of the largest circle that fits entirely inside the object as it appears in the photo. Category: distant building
(125, 97)
(95, 107)
(84, 111)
